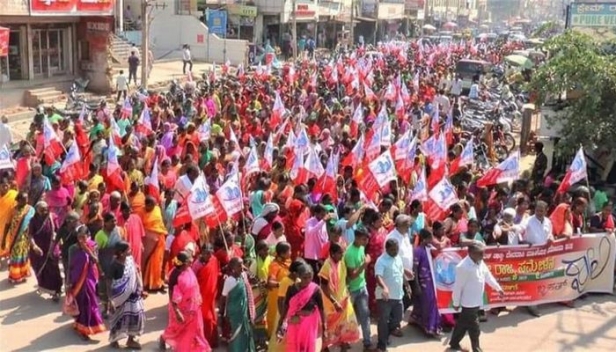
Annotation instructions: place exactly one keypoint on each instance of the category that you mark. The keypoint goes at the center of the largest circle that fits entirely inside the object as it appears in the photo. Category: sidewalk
(166, 71)
(160, 77)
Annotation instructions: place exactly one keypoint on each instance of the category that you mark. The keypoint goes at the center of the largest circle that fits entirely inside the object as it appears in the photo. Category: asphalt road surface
(32, 323)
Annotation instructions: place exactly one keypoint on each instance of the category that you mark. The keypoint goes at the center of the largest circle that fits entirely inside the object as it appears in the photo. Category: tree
(579, 67)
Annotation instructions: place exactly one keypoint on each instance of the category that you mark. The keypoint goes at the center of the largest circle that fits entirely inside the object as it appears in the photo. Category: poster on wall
(71, 7)
(4, 41)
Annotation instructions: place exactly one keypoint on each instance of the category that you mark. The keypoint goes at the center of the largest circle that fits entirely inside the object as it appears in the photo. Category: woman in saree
(154, 246)
(207, 269)
(59, 199)
(170, 207)
(134, 231)
(278, 270)
(82, 278)
(303, 314)
(184, 331)
(44, 256)
(425, 313)
(343, 327)
(106, 239)
(128, 319)
(238, 307)
(278, 343)
(373, 222)
(37, 184)
(136, 199)
(184, 241)
(19, 264)
(7, 203)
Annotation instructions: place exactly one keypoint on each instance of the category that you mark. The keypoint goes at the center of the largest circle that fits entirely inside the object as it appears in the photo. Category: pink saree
(186, 336)
(302, 335)
(133, 228)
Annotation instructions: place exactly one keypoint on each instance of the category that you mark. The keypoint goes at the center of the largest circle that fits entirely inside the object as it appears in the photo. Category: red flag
(152, 182)
(72, 168)
(53, 147)
(508, 170)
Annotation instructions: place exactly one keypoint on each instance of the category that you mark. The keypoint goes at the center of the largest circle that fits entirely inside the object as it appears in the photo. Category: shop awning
(4, 41)
(365, 19)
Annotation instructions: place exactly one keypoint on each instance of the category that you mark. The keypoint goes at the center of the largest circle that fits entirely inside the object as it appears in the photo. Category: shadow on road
(20, 308)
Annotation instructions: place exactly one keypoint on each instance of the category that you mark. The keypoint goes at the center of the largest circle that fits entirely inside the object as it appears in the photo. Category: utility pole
(145, 38)
(294, 29)
(145, 43)
(352, 26)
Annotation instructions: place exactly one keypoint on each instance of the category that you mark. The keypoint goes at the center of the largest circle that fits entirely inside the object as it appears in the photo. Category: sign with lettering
(305, 10)
(15, 7)
(561, 271)
(71, 7)
(594, 19)
(242, 10)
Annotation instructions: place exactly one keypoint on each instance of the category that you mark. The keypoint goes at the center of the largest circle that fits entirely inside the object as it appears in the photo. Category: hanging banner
(559, 272)
(71, 7)
(4, 41)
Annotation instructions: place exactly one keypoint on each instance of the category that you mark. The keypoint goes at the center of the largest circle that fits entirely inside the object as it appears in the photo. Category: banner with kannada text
(562, 271)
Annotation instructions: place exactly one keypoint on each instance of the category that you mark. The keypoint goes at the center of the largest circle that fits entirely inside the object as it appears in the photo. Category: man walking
(121, 86)
(471, 277)
(356, 261)
(538, 232)
(133, 65)
(390, 273)
(186, 59)
(401, 234)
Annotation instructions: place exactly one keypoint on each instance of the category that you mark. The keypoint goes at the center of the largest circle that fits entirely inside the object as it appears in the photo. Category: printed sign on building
(597, 20)
(71, 7)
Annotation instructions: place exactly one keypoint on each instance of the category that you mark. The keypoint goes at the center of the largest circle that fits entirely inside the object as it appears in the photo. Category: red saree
(207, 275)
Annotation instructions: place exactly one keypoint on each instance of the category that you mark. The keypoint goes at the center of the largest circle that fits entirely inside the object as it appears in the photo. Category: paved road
(30, 323)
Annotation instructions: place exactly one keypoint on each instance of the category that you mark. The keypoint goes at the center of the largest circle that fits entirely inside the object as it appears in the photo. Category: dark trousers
(189, 63)
(132, 73)
(121, 93)
(390, 316)
(468, 320)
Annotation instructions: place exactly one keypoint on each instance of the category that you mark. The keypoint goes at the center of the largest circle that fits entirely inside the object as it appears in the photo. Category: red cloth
(207, 275)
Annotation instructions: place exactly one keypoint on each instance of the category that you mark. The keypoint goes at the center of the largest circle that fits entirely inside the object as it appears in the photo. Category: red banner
(72, 7)
(95, 6)
(534, 275)
(4, 41)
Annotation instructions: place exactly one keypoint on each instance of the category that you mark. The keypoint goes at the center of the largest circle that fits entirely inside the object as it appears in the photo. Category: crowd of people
(100, 206)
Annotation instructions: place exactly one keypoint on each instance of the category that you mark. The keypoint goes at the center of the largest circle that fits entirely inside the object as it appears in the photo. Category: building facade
(54, 39)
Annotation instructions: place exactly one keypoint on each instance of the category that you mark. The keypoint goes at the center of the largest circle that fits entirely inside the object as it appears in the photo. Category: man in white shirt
(121, 86)
(184, 184)
(401, 234)
(316, 236)
(474, 91)
(471, 276)
(186, 59)
(6, 135)
(443, 102)
(456, 88)
(538, 232)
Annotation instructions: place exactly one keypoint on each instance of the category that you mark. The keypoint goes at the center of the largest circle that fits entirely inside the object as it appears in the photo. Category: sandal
(115, 345)
(133, 345)
(162, 346)
(397, 333)
(55, 297)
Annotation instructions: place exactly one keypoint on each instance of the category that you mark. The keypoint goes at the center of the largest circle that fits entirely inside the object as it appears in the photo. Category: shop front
(42, 41)
(390, 16)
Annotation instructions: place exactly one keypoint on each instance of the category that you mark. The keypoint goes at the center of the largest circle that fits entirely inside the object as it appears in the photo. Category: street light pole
(145, 43)
(294, 29)
(352, 26)
(145, 38)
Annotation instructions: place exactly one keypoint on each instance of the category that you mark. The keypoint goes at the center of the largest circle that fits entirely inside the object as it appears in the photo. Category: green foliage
(545, 29)
(578, 66)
